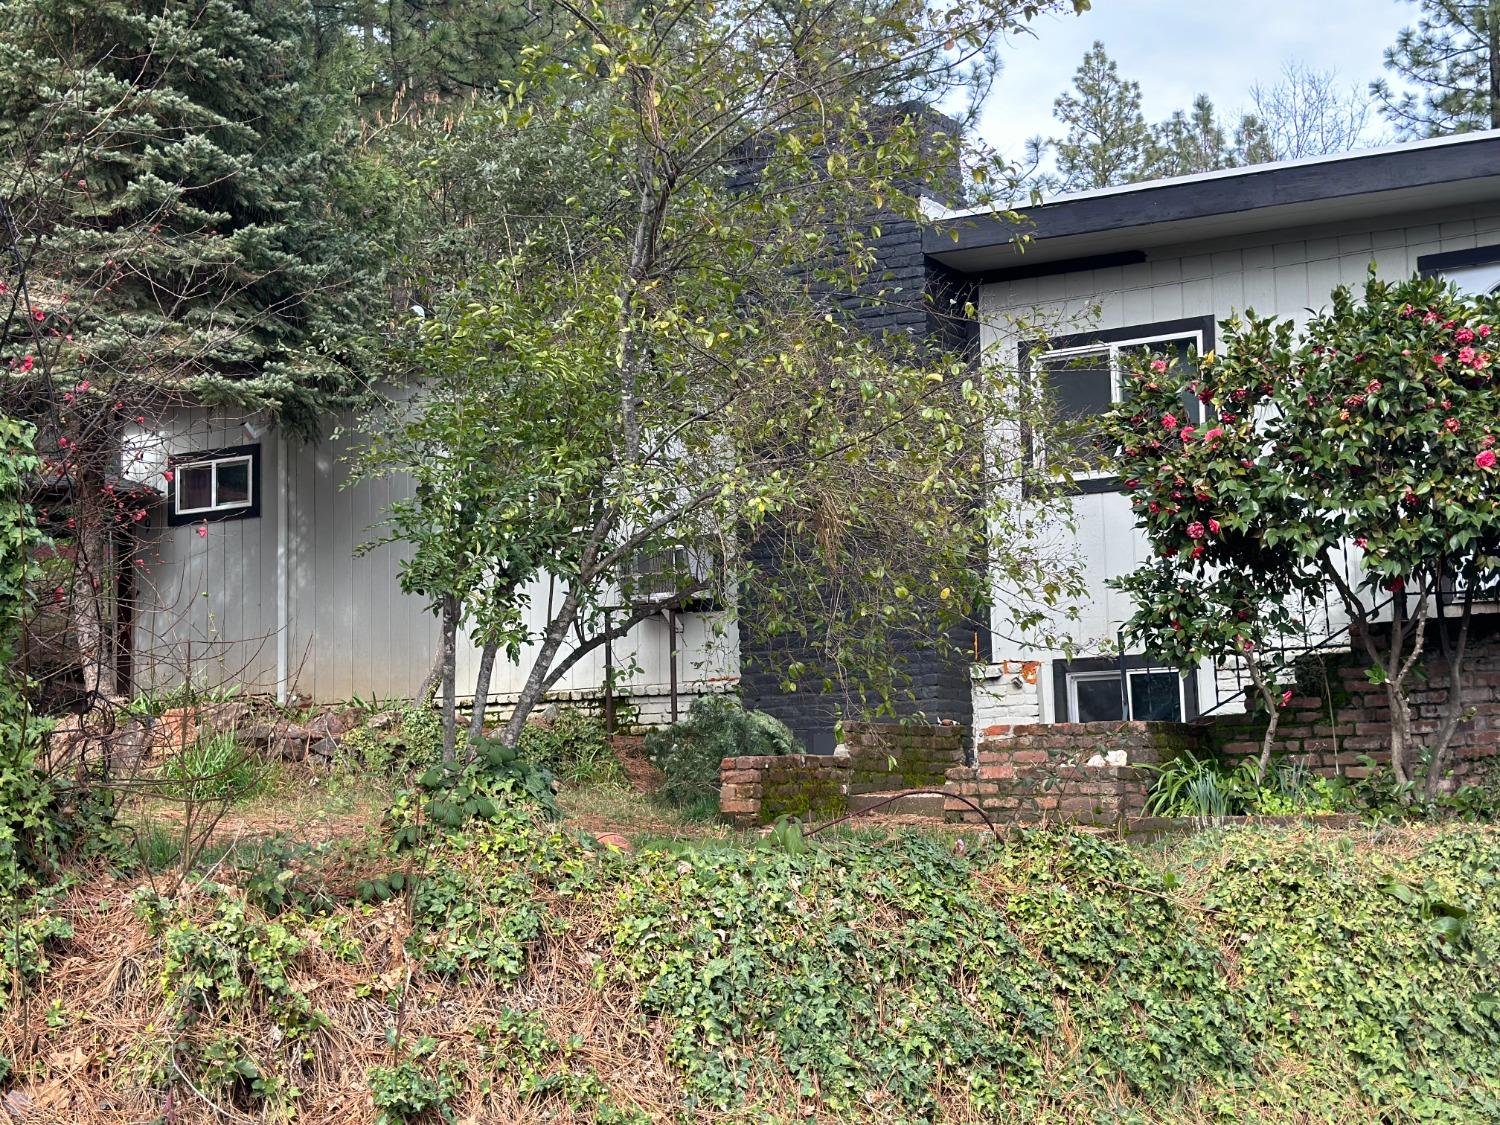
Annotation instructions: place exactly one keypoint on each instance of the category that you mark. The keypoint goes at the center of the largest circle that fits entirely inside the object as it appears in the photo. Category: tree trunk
(1453, 707)
(482, 690)
(1268, 742)
(1494, 37)
(450, 674)
(90, 597)
(536, 679)
(1400, 733)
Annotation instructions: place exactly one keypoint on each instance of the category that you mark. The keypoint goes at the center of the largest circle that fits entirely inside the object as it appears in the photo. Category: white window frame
(1113, 349)
(213, 464)
(1074, 678)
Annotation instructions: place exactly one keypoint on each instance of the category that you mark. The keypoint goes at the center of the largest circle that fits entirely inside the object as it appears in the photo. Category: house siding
(207, 605)
(1285, 273)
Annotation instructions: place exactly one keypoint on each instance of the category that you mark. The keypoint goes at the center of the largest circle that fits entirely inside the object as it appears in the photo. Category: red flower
(1439, 358)
(1213, 527)
(1133, 482)
(1464, 336)
(1483, 330)
(1158, 365)
(1195, 529)
(1214, 434)
(38, 314)
(1451, 425)
(1361, 542)
(1487, 441)
(1486, 459)
(1197, 552)
(1187, 433)
(1169, 421)
(1286, 697)
(203, 531)
(1467, 356)
(167, 476)
(1407, 310)
(1373, 387)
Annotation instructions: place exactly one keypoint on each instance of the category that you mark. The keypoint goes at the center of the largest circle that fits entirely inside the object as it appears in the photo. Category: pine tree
(174, 168)
(1107, 138)
(1190, 142)
(1452, 56)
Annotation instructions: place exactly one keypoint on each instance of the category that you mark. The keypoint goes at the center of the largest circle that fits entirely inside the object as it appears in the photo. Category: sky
(1176, 49)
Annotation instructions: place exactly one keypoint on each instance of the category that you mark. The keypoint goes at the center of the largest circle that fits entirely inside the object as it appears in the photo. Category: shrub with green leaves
(716, 727)
(573, 746)
(214, 767)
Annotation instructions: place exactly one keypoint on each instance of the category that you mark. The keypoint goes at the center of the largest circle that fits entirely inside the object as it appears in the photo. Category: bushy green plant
(408, 1092)
(716, 727)
(27, 928)
(1207, 789)
(214, 767)
(574, 746)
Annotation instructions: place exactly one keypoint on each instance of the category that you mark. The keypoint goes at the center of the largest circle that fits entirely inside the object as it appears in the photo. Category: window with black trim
(218, 484)
(1091, 691)
(1083, 375)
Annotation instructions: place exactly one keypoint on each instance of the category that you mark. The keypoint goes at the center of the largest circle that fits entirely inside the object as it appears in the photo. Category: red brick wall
(1330, 733)
(1079, 773)
(890, 757)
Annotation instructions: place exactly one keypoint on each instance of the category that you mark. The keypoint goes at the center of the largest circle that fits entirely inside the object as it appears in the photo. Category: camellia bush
(1367, 436)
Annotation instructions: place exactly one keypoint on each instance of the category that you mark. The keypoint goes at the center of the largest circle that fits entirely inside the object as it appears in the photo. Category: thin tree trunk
(1454, 707)
(450, 674)
(482, 690)
(1268, 742)
(536, 679)
(91, 570)
(427, 689)
(1494, 30)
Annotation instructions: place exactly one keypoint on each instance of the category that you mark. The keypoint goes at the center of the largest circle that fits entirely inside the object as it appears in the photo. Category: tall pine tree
(170, 174)
(1107, 136)
(1452, 57)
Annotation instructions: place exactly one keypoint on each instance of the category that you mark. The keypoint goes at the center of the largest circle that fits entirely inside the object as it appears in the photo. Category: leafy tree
(1107, 136)
(171, 235)
(1370, 432)
(1452, 57)
(663, 371)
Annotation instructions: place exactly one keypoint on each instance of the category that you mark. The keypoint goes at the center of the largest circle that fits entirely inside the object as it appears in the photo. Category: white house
(249, 570)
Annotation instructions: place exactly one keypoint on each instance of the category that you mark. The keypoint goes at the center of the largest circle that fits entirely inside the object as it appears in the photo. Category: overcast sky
(1177, 48)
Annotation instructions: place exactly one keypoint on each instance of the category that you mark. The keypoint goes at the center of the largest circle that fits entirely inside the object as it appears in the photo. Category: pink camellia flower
(203, 531)
(1464, 336)
(1158, 365)
(1133, 482)
(1214, 434)
(1213, 527)
(1439, 358)
(1195, 529)
(1246, 463)
(1486, 459)
(1153, 507)
(1429, 317)
(1486, 441)
(1187, 433)
(1361, 542)
(1407, 310)
(1451, 425)
(1483, 331)
(83, 386)
(1447, 404)
(1286, 697)
(1467, 356)
(38, 314)
(1169, 421)
(1372, 387)
(167, 476)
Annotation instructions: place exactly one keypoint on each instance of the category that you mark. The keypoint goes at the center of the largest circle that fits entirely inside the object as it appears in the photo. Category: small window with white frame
(1084, 375)
(1156, 694)
(217, 485)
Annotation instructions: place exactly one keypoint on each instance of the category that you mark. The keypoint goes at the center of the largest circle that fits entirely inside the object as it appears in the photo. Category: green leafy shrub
(574, 746)
(215, 767)
(716, 727)
(451, 794)
(408, 1092)
(27, 928)
(1206, 789)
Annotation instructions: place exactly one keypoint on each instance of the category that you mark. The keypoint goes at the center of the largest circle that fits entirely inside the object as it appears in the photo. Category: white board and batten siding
(209, 594)
(1285, 273)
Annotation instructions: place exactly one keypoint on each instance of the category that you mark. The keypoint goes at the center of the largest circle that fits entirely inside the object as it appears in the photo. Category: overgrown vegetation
(573, 746)
(517, 969)
(716, 727)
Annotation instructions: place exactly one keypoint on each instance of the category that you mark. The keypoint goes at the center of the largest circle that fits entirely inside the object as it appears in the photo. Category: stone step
(911, 804)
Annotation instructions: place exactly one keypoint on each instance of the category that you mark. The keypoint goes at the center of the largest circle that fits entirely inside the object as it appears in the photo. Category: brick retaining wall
(875, 758)
(1079, 773)
(1329, 733)
(889, 757)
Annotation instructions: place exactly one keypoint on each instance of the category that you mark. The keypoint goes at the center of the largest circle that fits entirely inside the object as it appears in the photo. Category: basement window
(218, 485)
(1155, 694)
